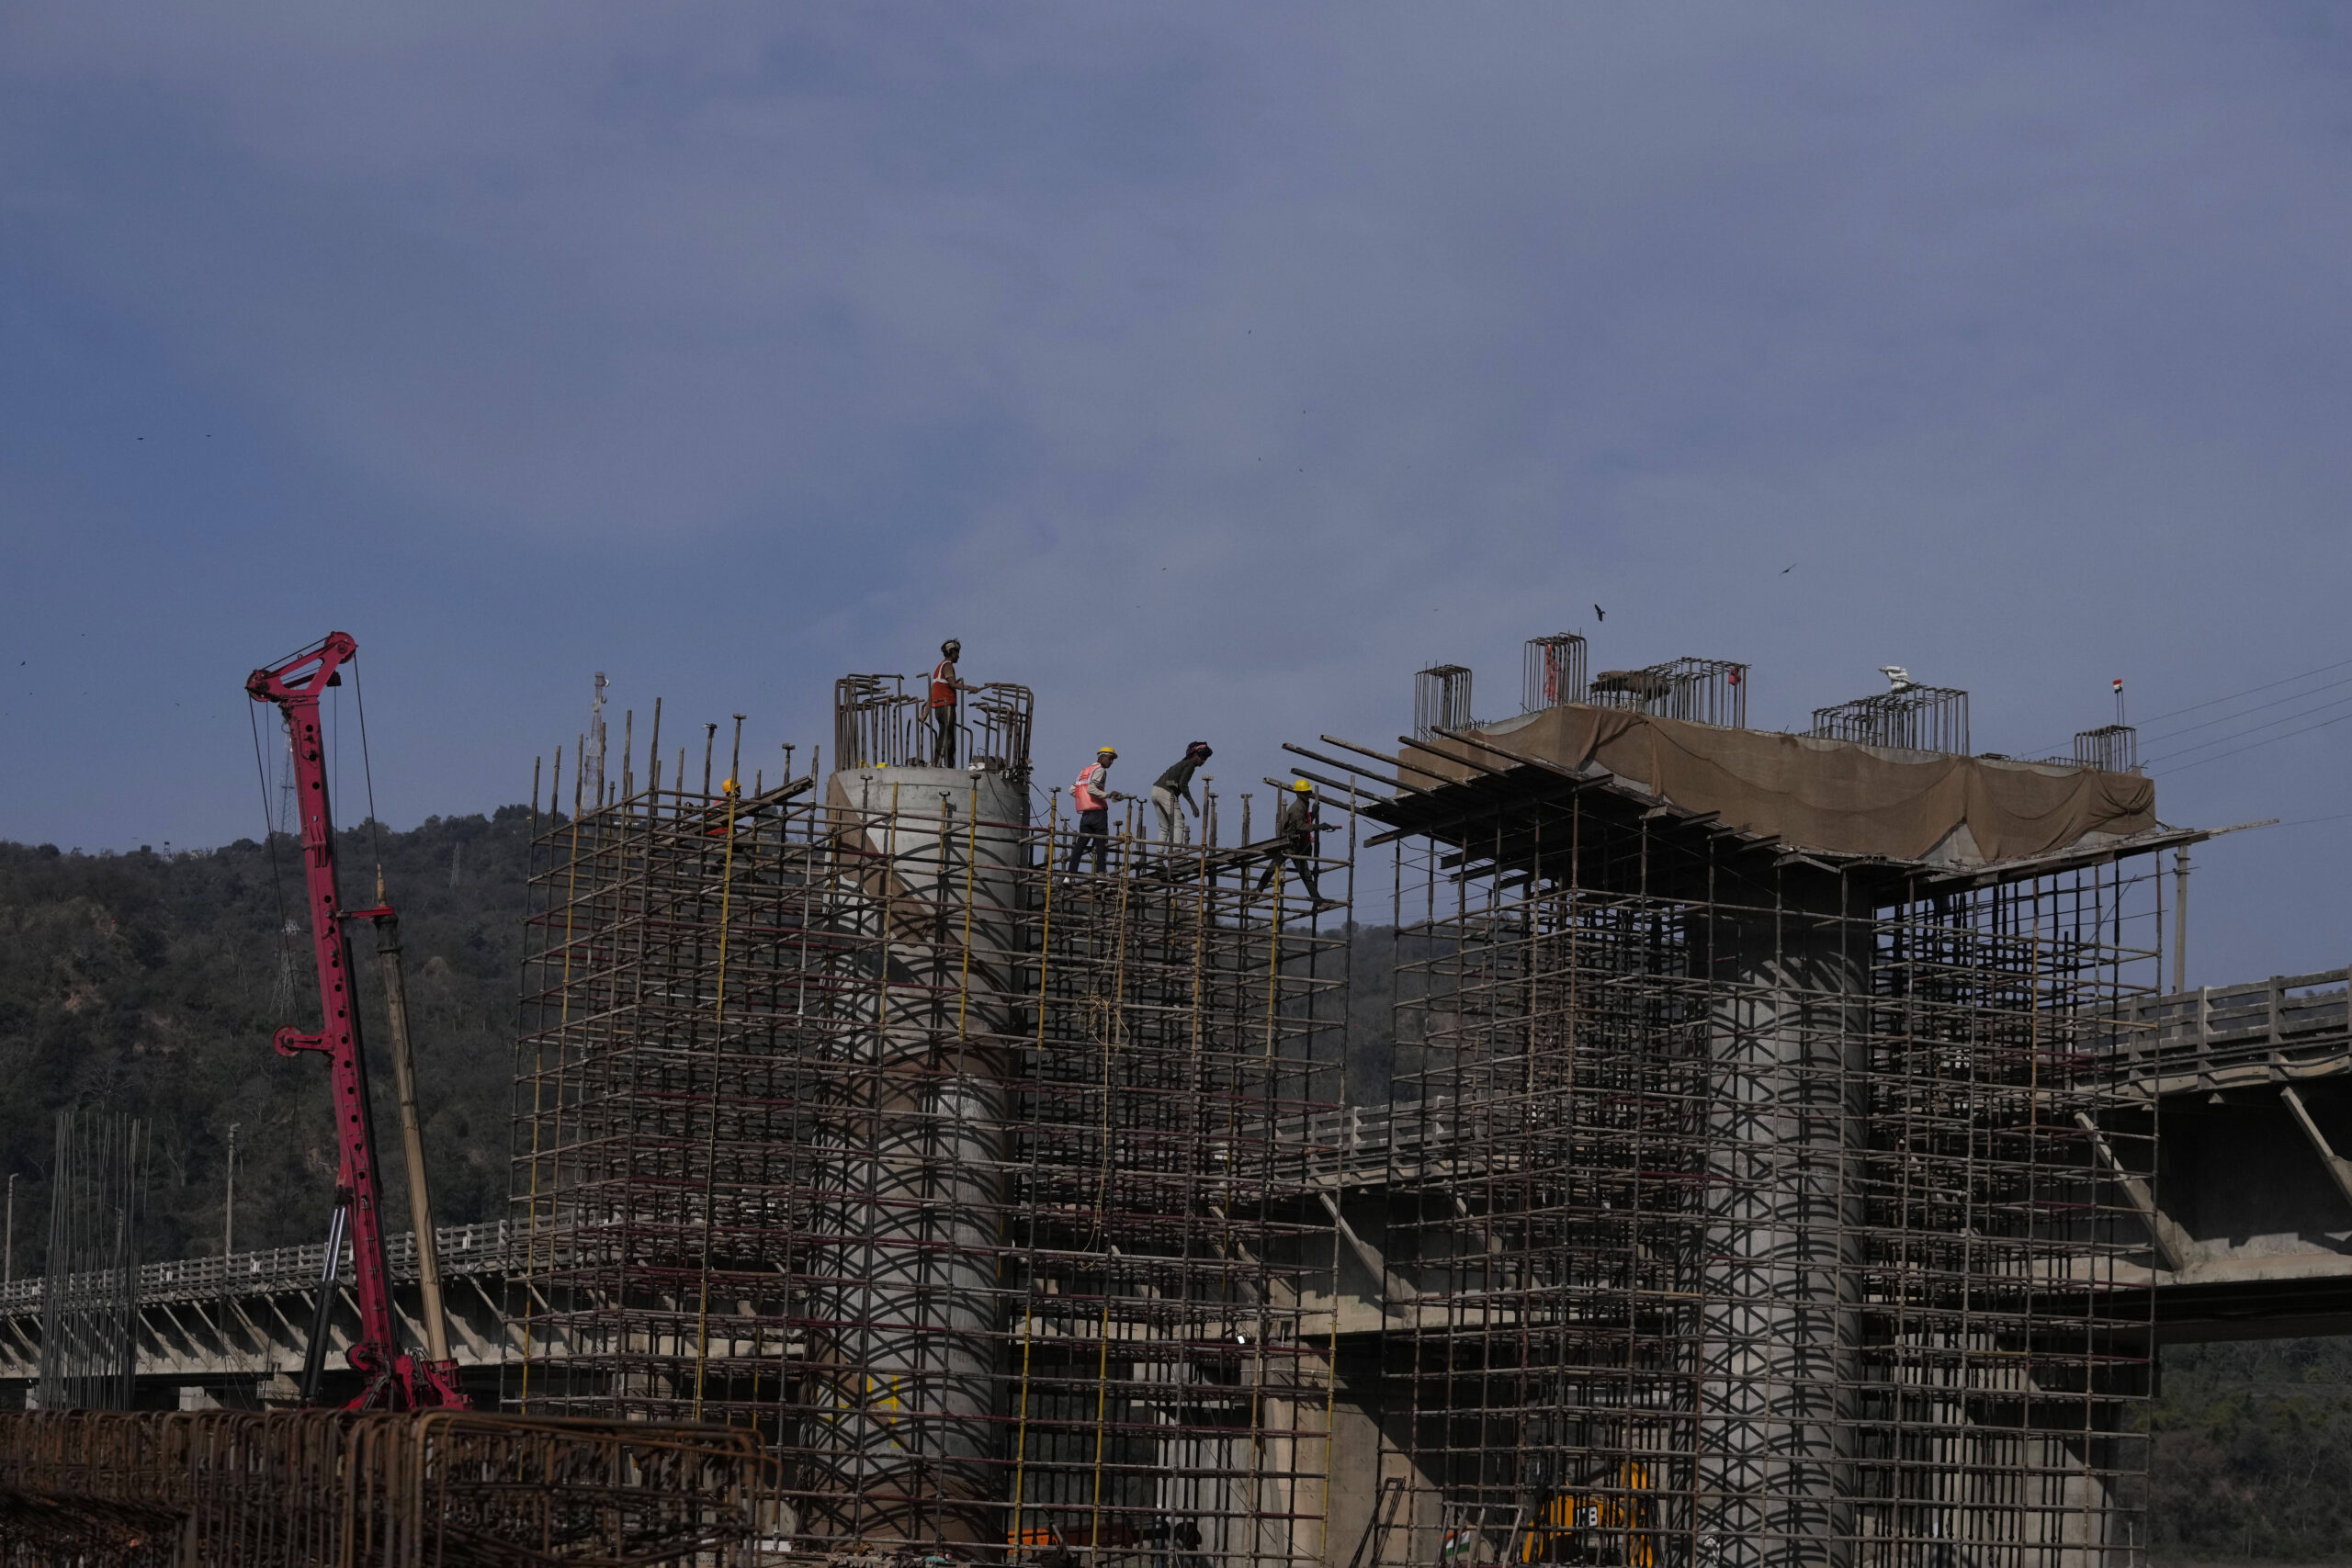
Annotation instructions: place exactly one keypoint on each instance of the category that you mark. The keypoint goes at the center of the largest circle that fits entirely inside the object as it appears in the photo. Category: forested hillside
(144, 982)
(2252, 1453)
(150, 983)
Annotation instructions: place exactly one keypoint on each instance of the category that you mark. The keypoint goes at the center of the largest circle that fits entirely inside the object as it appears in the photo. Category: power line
(2255, 729)
(2290, 735)
(2259, 708)
(2213, 702)
(2283, 681)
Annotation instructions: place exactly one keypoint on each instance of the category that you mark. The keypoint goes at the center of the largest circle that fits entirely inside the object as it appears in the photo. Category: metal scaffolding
(1745, 1209)
(967, 1180)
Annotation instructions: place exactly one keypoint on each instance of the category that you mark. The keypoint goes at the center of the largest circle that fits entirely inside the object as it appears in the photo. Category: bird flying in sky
(1599, 614)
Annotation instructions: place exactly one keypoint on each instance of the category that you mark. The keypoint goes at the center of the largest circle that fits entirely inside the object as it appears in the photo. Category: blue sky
(1209, 369)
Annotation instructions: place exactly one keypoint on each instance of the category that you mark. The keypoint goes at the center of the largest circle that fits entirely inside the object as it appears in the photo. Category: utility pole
(228, 1202)
(2180, 901)
(592, 770)
(2180, 921)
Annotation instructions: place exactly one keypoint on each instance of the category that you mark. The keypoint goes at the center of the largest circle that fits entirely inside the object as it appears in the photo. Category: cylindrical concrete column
(905, 1326)
(1779, 1245)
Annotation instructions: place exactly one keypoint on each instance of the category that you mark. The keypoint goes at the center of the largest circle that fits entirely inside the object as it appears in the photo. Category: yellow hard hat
(1106, 751)
(1301, 786)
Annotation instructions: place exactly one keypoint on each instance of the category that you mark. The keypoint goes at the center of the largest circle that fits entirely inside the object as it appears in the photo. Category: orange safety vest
(943, 684)
(1089, 779)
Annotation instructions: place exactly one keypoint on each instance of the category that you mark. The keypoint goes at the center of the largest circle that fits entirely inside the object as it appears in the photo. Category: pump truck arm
(394, 1378)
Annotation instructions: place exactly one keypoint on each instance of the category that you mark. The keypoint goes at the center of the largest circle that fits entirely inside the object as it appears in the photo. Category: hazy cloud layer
(1209, 369)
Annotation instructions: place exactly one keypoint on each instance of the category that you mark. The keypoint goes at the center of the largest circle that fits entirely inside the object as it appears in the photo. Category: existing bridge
(216, 1331)
(2250, 1217)
(2251, 1210)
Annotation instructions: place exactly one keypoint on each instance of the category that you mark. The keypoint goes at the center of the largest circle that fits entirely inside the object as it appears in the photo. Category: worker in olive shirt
(1174, 786)
(1295, 840)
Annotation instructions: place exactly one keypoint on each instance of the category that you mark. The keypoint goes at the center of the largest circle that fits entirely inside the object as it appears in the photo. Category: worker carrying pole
(945, 689)
(1295, 840)
(1173, 786)
(1091, 795)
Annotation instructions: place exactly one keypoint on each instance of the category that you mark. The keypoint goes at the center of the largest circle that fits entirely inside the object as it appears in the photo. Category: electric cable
(368, 773)
(2226, 740)
(268, 833)
(2250, 691)
(2290, 735)
(2211, 702)
(2243, 713)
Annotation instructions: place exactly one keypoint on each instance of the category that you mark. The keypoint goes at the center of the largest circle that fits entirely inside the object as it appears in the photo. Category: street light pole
(2180, 902)
(229, 1201)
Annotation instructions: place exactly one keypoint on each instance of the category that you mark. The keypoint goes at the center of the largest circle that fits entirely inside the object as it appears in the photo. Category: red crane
(394, 1378)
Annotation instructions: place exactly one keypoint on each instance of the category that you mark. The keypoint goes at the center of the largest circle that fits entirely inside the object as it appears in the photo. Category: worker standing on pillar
(944, 689)
(1295, 840)
(1091, 795)
(1173, 786)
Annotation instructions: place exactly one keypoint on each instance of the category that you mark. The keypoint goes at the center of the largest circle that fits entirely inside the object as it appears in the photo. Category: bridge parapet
(234, 1329)
(2218, 1037)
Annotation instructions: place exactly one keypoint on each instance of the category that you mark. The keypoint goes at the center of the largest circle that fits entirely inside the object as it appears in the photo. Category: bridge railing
(464, 1249)
(2288, 1025)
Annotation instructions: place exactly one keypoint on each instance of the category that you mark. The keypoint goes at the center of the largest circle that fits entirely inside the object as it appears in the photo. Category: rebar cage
(877, 723)
(1554, 673)
(2113, 747)
(1441, 699)
(99, 1192)
(1744, 1214)
(966, 1178)
(339, 1489)
(1918, 719)
(1704, 691)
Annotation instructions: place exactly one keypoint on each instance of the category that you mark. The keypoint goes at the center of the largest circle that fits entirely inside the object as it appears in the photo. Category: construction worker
(1091, 795)
(1295, 840)
(1174, 786)
(944, 685)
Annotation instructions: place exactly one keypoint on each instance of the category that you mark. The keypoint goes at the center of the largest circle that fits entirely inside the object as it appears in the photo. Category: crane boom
(394, 1378)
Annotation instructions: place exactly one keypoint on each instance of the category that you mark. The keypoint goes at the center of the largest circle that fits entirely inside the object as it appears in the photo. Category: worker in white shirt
(1092, 796)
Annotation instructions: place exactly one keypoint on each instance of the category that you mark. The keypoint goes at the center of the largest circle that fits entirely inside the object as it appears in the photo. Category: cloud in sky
(1208, 369)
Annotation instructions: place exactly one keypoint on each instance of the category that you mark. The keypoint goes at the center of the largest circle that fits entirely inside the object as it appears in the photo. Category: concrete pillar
(1778, 1352)
(908, 1325)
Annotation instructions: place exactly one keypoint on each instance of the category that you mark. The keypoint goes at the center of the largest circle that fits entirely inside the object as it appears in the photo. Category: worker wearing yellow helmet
(1091, 795)
(1295, 841)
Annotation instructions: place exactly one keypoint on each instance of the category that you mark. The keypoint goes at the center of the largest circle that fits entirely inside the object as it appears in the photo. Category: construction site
(1749, 1163)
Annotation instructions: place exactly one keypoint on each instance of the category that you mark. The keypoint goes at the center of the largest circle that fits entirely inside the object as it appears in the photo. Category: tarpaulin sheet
(1835, 795)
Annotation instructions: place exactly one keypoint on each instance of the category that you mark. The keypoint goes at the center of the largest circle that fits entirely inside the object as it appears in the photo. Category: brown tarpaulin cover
(1830, 795)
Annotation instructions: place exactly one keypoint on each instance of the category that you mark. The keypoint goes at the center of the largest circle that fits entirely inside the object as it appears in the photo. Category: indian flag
(1457, 1543)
